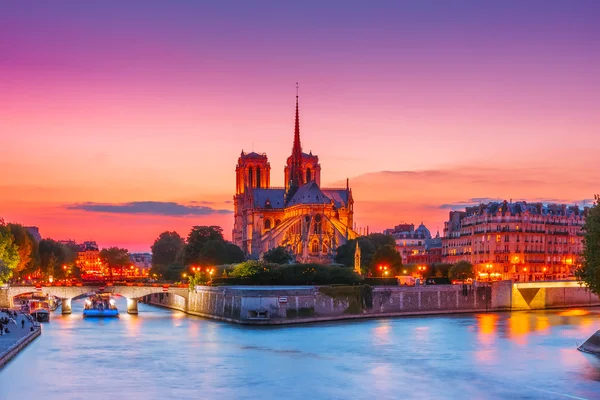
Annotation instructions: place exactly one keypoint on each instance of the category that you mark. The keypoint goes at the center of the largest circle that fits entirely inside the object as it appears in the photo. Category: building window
(315, 247)
(250, 177)
(258, 177)
(308, 176)
(267, 224)
(498, 238)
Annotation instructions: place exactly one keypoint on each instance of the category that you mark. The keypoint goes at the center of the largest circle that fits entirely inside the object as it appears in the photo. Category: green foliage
(196, 240)
(260, 273)
(387, 256)
(53, 255)
(437, 270)
(26, 244)
(206, 247)
(171, 272)
(368, 246)
(590, 269)
(115, 257)
(278, 255)
(249, 269)
(166, 248)
(461, 270)
(9, 255)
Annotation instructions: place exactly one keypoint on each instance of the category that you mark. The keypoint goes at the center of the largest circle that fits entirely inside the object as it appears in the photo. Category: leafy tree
(9, 255)
(368, 246)
(216, 252)
(25, 244)
(277, 255)
(166, 248)
(206, 247)
(590, 268)
(389, 257)
(166, 251)
(437, 270)
(248, 269)
(53, 255)
(115, 257)
(197, 238)
(461, 270)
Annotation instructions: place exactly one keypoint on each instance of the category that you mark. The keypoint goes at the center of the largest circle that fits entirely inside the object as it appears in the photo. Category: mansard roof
(521, 207)
(339, 196)
(273, 197)
(309, 193)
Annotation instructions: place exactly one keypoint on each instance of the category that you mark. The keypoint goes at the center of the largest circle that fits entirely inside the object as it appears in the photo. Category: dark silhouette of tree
(389, 259)
(461, 270)
(589, 272)
(277, 255)
(115, 258)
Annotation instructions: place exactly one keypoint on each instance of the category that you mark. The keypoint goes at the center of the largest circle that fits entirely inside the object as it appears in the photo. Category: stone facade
(517, 241)
(309, 220)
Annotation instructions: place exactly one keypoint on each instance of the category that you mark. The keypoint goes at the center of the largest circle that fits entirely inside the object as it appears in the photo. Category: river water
(162, 354)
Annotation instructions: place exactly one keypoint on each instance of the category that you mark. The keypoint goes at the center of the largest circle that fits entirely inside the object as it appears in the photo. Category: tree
(9, 255)
(386, 257)
(206, 247)
(277, 255)
(166, 248)
(197, 238)
(461, 270)
(368, 246)
(25, 244)
(248, 269)
(53, 255)
(589, 272)
(115, 257)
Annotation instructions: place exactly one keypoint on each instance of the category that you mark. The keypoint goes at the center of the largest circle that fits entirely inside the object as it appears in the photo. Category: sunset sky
(120, 120)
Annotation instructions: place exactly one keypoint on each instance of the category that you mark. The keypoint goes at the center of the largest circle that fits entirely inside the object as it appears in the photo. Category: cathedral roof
(339, 196)
(309, 193)
(254, 155)
(273, 197)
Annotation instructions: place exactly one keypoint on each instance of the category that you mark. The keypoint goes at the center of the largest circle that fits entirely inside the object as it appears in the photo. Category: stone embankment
(592, 345)
(18, 337)
(273, 305)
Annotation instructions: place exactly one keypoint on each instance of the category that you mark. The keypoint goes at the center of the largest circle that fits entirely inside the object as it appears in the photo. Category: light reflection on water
(164, 354)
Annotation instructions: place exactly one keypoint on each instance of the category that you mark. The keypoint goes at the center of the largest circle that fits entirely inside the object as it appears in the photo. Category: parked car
(438, 281)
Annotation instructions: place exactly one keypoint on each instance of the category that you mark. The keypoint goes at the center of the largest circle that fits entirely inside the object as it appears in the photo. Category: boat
(100, 305)
(53, 302)
(38, 309)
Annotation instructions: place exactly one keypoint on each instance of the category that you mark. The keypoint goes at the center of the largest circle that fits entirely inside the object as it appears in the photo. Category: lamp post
(544, 269)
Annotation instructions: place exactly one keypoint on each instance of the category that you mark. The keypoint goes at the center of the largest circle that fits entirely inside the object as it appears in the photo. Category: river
(162, 354)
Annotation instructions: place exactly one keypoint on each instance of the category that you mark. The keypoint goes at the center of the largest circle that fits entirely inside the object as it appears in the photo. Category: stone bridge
(67, 293)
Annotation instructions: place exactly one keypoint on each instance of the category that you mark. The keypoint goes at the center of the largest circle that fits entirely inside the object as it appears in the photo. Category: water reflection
(164, 354)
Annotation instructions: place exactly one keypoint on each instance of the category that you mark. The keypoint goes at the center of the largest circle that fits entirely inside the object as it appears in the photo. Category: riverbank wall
(287, 305)
(268, 305)
(10, 349)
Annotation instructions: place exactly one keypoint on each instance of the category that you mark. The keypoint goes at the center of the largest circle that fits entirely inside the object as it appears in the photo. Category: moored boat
(100, 305)
(39, 310)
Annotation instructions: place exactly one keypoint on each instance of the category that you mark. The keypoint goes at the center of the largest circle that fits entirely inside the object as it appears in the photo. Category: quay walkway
(18, 337)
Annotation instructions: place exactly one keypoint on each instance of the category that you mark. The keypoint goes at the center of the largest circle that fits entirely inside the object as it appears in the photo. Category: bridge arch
(68, 293)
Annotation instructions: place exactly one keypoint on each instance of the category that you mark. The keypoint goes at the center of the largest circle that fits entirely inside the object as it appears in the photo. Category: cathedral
(308, 220)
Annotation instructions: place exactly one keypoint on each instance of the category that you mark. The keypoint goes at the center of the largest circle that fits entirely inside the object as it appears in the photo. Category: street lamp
(489, 268)
(544, 269)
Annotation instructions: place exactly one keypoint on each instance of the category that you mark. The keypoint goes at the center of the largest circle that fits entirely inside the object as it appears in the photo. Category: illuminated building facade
(88, 259)
(309, 220)
(518, 241)
(415, 245)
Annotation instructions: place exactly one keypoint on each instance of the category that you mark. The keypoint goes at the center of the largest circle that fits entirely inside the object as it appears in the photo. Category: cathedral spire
(296, 170)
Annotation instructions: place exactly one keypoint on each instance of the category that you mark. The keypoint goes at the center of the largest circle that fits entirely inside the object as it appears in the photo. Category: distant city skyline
(121, 121)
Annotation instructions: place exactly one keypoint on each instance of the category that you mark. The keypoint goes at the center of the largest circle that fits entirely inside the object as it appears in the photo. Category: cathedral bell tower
(252, 171)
